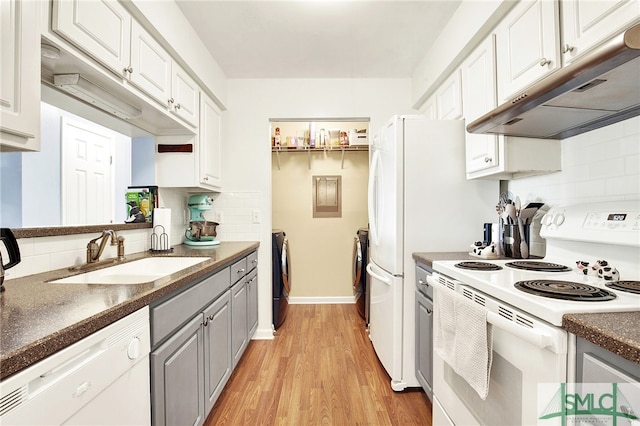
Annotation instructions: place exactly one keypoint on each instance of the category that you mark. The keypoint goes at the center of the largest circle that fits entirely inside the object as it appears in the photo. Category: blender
(200, 231)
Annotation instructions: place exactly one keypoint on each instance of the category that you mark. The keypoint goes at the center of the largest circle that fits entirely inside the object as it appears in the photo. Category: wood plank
(320, 369)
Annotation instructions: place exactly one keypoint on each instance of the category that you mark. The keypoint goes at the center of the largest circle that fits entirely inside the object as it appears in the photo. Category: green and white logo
(614, 404)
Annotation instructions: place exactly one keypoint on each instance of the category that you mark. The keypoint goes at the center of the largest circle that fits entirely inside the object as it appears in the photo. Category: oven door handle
(535, 337)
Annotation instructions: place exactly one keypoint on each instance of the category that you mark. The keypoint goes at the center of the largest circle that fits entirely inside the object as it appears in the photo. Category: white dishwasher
(102, 379)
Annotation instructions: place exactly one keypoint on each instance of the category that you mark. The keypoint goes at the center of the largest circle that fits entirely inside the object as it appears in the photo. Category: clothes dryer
(360, 276)
(280, 276)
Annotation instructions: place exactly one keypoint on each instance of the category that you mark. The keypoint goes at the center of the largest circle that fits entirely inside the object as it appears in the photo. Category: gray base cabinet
(252, 303)
(239, 320)
(217, 348)
(177, 372)
(197, 338)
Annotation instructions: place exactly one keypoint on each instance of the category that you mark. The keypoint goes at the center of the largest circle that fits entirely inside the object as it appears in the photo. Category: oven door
(523, 357)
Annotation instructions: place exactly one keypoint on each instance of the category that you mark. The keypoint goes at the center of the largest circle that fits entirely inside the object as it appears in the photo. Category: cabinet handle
(544, 62)
(211, 317)
(205, 178)
(128, 69)
(567, 48)
(488, 159)
(170, 101)
(254, 261)
(429, 311)
(177, 106)
(240, 271)
(206, 321)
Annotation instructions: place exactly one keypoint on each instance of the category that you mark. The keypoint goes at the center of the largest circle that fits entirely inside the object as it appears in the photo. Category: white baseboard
(263, 334)
(341, 300)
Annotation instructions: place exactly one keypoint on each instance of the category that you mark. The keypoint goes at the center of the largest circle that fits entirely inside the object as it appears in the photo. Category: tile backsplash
(48, 253)
(601, 165)
(238, 209)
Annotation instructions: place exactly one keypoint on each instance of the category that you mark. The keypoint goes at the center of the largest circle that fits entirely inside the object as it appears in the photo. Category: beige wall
(321, 249)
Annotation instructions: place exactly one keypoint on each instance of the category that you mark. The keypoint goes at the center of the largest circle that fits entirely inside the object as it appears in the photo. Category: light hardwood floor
(320, 369)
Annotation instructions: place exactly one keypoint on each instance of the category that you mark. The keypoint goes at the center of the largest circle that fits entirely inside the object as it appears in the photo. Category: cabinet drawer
(252, 261)
(238, 269)
(174, 312)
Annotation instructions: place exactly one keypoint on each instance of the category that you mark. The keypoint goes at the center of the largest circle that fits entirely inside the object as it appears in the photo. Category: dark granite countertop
(618, 332)
(38, 318)
(430, 257)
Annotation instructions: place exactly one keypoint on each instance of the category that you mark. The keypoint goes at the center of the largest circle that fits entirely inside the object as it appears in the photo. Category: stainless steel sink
(136, 272)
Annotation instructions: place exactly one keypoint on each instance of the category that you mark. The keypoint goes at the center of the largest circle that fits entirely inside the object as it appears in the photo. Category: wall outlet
(255, 214)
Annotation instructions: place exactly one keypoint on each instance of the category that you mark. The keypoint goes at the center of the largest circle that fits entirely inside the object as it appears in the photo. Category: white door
(87, 184)
(386, 198)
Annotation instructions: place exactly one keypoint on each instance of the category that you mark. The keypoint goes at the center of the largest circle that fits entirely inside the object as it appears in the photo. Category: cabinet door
(217, 348)
(252, 303)
(528, 43)
(479, 97)
(586, 23)
(449, 99)
(239, 320)
(177, 378)
(150, 65)
(210, 143)
(185, 95)
(424, 341)
(102, 28)
(20, 76)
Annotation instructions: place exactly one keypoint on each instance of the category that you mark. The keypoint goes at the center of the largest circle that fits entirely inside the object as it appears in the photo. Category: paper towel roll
(161, 237)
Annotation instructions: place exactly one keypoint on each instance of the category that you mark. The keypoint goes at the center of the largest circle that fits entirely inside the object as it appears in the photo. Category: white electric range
(529, 346)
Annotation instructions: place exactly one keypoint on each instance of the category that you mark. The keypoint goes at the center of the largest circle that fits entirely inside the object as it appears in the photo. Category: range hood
(599, 89)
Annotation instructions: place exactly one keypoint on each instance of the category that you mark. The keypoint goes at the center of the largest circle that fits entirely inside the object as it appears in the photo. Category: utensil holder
(512, 240)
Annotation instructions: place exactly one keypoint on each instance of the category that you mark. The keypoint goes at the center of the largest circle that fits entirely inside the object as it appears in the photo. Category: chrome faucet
(94, 251)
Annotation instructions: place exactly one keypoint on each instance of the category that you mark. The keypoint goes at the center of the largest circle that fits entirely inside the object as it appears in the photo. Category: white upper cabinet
(210, 143)
(102, 28)
(20, 76)
(527, 45)
(185, 95)
(491, 156)
(586, 23)
(449, 98)
(150, 68)
(479, 97)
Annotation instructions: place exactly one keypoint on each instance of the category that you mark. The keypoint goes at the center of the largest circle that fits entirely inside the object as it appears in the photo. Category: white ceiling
(318, 39)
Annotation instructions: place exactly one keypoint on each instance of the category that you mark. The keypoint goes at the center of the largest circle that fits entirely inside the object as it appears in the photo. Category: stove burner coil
(565, 290)
(626, 286)
(533, 265)
(478, 266)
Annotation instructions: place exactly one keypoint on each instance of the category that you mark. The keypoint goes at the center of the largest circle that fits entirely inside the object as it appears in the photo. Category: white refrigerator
(419, 201)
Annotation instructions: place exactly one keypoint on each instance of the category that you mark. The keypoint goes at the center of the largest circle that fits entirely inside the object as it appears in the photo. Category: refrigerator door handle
(381, 278)
(372, 199)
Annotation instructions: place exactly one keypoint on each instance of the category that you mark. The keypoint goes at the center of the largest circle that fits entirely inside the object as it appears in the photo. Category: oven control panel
(611, 223)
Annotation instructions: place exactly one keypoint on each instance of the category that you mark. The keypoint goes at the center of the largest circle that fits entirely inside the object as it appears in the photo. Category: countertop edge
(14, 361)
(604, 330)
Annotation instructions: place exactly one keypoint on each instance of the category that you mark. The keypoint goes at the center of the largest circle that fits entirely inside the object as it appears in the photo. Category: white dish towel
(463, 338)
